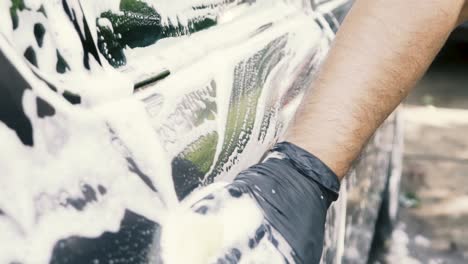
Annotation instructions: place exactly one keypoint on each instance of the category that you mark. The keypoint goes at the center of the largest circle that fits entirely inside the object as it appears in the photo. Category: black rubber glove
(294, 189)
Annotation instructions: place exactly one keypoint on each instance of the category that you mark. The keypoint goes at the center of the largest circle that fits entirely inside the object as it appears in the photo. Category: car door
(112, 104)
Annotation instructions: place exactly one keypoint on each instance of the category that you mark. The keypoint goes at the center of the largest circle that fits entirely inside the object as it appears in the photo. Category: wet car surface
(219, 83)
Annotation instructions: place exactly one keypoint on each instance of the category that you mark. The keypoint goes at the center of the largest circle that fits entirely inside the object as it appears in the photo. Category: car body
(108, 106)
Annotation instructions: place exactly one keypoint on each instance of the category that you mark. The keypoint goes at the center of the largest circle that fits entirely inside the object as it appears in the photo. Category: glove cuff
(311, 166)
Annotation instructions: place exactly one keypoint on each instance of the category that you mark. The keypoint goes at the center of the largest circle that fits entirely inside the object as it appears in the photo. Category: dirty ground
(433, 220)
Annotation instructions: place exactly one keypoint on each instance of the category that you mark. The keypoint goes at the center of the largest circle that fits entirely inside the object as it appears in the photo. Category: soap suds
(92, 161)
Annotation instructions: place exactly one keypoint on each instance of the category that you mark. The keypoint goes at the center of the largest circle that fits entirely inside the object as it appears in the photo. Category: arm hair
(381, 51)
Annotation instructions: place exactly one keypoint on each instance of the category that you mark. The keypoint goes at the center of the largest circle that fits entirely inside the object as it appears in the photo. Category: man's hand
(380, 52)
(294, 190)
(290, 191)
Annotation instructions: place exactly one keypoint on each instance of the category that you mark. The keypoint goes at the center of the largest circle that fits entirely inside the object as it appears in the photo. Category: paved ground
(433, 226)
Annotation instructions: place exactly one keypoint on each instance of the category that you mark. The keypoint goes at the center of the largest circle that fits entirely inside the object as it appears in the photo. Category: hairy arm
(380, 52)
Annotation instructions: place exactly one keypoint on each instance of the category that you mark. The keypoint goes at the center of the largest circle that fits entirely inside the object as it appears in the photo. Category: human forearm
(380, 52)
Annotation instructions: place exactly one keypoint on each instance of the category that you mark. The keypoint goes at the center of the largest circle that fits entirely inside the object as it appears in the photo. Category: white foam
(218, 233)
(91, 142)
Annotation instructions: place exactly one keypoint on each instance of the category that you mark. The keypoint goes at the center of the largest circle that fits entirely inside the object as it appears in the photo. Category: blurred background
(433, 216)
